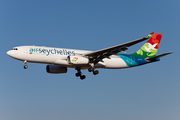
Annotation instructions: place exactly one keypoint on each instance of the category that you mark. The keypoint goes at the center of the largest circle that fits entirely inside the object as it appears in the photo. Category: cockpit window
(14, 49)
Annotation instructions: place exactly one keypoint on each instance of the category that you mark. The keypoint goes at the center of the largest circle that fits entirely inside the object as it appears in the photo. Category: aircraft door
(25, 50)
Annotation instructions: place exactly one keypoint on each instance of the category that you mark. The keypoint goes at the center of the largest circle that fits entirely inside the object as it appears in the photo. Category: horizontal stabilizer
(153, 58)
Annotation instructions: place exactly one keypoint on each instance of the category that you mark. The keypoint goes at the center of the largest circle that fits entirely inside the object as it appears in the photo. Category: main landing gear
(91, 69)
(82, 77)
(95, 72)
(25, 66)
(79, 74)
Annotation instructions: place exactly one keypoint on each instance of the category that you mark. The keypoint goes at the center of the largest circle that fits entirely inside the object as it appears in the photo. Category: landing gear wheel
(25, 66)
(78, 74)
(95, 72)
(90, 69)
(82, 77)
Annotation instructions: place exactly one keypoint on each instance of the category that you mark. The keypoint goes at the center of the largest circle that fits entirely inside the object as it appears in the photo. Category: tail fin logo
(150, 48)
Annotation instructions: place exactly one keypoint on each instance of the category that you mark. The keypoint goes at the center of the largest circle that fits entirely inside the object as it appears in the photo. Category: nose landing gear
(79, 74)
(25, 66)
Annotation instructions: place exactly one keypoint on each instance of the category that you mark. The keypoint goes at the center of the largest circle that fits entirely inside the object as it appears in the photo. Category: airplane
(59, 59)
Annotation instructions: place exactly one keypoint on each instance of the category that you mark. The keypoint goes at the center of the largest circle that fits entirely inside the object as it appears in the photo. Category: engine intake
(55, 69)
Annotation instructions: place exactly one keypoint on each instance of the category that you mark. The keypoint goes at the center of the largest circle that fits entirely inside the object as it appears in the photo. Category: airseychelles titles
(51, 51)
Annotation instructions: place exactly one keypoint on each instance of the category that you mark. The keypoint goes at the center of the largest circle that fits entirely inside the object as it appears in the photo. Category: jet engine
(56, 69)
(77, 60)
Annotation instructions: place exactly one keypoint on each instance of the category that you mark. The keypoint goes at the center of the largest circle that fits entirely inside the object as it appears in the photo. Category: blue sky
(146, 92)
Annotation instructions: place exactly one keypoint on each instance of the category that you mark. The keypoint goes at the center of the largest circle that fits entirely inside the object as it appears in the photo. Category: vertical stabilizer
(150, 48)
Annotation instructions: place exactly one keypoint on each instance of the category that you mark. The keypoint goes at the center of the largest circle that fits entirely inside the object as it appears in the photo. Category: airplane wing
(98, 55)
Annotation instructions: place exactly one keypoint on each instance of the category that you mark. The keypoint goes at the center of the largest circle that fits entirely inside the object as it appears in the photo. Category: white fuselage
(58, 56)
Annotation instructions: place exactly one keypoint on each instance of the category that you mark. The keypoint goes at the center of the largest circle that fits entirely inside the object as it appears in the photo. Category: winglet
(150, 35)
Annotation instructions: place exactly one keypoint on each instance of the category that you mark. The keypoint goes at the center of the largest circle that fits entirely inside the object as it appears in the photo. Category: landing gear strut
(25, 66)
(79, 74)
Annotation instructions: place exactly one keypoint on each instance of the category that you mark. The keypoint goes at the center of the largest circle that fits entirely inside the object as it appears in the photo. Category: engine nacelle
(56, 69)
(77, 60)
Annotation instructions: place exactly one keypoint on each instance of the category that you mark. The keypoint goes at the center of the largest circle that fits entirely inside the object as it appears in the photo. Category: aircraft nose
(8, 52)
